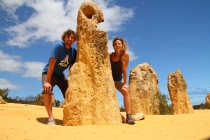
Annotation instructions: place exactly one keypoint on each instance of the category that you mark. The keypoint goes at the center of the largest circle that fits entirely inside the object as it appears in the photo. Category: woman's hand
(47, 87)
(125, 87)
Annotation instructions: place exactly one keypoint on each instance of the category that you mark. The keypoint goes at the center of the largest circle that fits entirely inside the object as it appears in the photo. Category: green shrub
(202, 106)
(164, 108)
(122, 109)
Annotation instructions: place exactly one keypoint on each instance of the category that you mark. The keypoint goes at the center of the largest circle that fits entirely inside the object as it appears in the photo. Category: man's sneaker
(129, 119)
(51, 121)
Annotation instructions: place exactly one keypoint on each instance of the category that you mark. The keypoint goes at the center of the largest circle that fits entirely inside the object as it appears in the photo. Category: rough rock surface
(208, 99)
(2, 101)
(91, 94)
(138, 116)
(177, 88)
(144, 90)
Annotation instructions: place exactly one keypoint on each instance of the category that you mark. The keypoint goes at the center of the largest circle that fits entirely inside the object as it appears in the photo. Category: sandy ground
(28, 122)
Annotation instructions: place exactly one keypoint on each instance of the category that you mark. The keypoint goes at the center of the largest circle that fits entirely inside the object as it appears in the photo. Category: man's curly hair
(69, 32)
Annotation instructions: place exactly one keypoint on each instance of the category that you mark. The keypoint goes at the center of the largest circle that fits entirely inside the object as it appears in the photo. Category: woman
(119, 63)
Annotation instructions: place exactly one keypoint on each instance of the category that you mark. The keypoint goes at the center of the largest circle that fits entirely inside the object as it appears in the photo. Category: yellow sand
(28, 122)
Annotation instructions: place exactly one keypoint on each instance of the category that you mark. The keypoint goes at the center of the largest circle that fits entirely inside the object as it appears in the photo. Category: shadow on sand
(45, 119)
(206, 138)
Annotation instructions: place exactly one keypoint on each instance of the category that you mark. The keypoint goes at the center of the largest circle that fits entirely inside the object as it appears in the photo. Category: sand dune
(28, 122)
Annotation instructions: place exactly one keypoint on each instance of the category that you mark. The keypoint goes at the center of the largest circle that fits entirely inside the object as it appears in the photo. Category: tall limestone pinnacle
(177, 88)
(207, 98)
(91, 94)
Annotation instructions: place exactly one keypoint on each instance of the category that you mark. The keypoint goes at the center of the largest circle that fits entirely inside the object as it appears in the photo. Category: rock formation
(137, 117)
(208, 99)
(144, 90)
(91, 94)
(177, 88)
(2, 101)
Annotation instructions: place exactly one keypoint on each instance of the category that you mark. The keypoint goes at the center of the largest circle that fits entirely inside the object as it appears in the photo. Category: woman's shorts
(118, 82)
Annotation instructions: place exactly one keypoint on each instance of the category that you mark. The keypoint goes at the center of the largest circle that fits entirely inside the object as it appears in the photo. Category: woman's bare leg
(126, 96)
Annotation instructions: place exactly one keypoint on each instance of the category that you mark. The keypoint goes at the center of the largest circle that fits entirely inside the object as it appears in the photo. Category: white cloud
(114, 16)
(10, 6)
(10, 63)
(52, 17)
(110, 46)
(4, 84)
(33, 69)
(132, 55)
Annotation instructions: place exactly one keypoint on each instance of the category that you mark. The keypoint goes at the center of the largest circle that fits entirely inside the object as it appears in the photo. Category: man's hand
(47, 87)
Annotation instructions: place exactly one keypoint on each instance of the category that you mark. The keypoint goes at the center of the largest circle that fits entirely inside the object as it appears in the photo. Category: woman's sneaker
(129, 119)
(51, 121)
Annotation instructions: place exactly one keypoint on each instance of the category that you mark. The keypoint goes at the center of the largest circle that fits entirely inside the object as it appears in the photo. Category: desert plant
(122, 109)
(202, 106)
(39, 100)
(164, 108)
(207, 106)
(4, 93)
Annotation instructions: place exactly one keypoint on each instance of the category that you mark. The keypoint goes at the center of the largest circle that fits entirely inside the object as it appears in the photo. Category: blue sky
(169, 35)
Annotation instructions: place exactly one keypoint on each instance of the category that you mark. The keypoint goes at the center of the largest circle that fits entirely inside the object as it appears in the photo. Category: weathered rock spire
(91, 94)
(177, 88)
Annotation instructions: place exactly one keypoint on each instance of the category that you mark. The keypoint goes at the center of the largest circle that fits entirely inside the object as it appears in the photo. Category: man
(62, 57)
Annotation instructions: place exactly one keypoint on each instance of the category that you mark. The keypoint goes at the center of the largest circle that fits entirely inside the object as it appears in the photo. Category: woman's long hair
(123, 51)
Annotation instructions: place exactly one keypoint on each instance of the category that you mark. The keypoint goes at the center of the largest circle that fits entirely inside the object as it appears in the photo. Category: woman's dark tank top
(116, 70)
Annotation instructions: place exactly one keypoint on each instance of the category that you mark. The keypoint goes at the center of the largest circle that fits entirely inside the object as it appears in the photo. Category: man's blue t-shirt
(64, 58)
